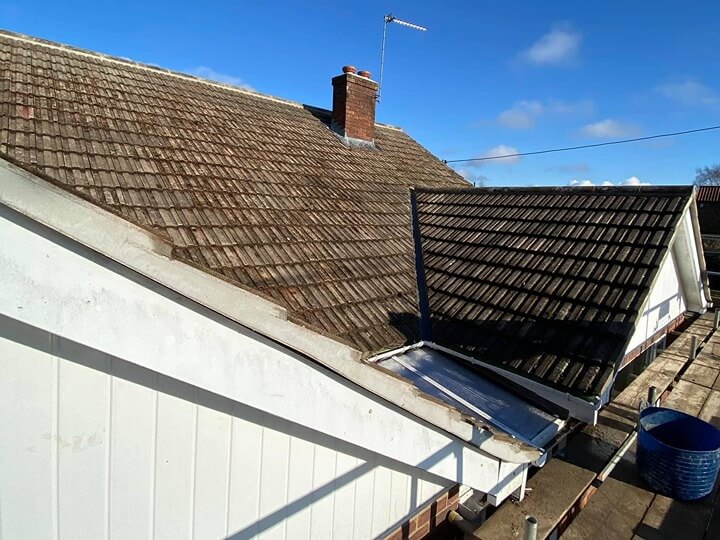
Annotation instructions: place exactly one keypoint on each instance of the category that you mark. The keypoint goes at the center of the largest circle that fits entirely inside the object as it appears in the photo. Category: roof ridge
(163, 71)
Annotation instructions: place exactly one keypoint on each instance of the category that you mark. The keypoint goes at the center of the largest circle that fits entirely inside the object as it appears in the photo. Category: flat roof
(467, 390)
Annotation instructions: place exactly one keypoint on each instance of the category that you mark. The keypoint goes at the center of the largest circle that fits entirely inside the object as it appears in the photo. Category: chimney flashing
(351, 142)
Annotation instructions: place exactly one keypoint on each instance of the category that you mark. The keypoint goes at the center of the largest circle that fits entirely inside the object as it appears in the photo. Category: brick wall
(429, 518)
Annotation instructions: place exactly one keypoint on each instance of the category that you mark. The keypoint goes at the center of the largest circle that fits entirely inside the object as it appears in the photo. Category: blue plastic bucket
(677, 454)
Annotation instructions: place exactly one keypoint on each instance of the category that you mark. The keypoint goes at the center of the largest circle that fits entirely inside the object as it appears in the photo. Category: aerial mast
(390, 18)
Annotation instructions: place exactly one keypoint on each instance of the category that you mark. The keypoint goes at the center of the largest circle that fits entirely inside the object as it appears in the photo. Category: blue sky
(488, 77)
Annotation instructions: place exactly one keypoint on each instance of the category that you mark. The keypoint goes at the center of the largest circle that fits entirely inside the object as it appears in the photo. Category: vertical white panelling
(211, 473)
(174, 463)
(322, 511)
(399, 495)
(27, 498)
(690, 274)
(166, 451)
(54, 446)
(363, 516)
(381, 510)
(428, 491)
(512, 477)
(680, 305)
(81, 439)
(300, 484)
(345, 473)
(245, 464)
(274, 483)
(132, 453)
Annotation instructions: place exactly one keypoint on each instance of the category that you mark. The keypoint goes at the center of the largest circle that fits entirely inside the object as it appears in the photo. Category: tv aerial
(390, 18)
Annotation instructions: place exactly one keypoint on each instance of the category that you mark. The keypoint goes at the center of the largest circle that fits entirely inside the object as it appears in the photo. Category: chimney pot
(364, 73)
(349, 69)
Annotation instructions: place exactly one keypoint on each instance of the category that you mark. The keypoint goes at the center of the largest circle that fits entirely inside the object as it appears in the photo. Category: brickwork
(354, 106)
(429, 518)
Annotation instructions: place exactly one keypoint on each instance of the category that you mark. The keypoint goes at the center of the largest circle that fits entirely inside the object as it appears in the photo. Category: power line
(567, 148)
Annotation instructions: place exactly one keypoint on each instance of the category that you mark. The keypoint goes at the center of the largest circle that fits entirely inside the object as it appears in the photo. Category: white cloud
(524, 114)
(582, 107)
(205, 72)
(689, 92)
(632, 181)
(559, 46)
(474, 177)
(500, 150)
(469, 169)
(608, 129)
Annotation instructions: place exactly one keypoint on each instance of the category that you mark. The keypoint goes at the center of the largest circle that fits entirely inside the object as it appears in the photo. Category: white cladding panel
(665, 302)
(52, 283)
(94, 446)
(102, 448)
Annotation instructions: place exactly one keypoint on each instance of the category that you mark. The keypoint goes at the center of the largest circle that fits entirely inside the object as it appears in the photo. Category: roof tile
(254, 188)
(544, 282)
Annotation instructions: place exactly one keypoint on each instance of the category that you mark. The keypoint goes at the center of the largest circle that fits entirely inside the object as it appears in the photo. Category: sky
(487, 78)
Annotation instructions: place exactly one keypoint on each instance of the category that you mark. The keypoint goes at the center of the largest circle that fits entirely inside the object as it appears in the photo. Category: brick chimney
(353, 113)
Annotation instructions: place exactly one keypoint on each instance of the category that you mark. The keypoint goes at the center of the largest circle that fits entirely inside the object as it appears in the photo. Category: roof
(251, 188)
(84, 228)
(708, 199)
(544, 282)
(708, 194)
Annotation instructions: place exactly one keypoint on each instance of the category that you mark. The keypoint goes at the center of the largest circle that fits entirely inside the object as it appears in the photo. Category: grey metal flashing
(423, 302)
(350, 141)
(479, 394)
(581, 409)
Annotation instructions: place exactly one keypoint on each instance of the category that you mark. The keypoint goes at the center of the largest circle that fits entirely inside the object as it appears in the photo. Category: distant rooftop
(708, 194)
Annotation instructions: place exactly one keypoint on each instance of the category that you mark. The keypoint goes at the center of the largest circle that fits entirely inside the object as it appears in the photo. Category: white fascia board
(548, 434)
(578, 408)
(688, 253)
(150, 256)
(697, 237)
(377, 358)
